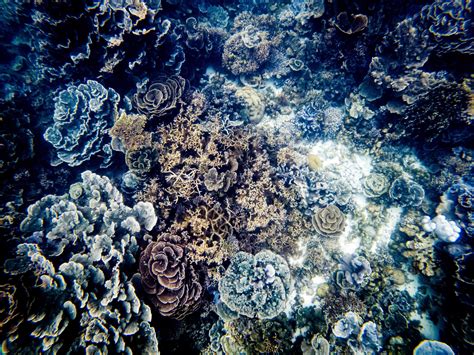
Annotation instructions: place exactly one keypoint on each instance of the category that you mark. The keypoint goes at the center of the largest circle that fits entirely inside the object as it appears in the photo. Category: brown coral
(172, 284)
(329, 221)
(161, 96)
(128, 132)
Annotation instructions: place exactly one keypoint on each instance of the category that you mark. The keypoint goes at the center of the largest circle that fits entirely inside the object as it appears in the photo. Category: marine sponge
(82, 117)
(256, 285)
(172, 284)
(329, 221)
(161, 97)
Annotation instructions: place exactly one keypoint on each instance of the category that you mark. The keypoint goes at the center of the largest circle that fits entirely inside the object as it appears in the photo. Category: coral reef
(172, 284)
(236, 177)
(77, 253)
(83, 115)
(256, 286)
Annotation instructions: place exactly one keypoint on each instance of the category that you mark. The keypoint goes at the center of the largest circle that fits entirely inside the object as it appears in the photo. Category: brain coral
(172, 284)
(161, 97)
(329, 220)
(82, 117)
(256, 285)
(75, 262)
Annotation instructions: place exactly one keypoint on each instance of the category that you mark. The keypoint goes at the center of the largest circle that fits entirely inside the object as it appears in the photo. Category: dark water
(236, 177)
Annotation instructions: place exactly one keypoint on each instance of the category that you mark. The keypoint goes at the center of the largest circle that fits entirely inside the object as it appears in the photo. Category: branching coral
(173, 285)
(82, 117)
(128, 132)
(80, 247)
(256, 286)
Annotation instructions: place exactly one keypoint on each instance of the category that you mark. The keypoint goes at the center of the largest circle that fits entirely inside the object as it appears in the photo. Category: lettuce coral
(256, 285)
(172, 284)
(83, 115)
(80, 249)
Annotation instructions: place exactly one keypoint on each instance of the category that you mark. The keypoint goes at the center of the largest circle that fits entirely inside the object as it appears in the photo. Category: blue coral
(82, 117)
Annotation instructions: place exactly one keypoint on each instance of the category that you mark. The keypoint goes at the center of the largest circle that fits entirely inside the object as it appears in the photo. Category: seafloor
(237, 177)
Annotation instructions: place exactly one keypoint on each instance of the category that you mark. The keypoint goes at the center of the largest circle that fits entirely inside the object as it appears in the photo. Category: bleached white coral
(444, 229)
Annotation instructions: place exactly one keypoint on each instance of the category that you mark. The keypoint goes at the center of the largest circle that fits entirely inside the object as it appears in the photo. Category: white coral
(444, 229)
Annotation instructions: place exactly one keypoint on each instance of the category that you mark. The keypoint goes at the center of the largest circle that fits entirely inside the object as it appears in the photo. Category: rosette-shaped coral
(329, 221)
(82, 117)
(141, 161)
(160, 97)
(256, 286)
(375, 185)
(406, 192)
(75, 263)
(172, 284)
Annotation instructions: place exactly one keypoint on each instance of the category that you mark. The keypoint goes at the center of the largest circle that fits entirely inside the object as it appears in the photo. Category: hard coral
(82, 117)
(256, 286)
(160, 97)
(329, 221)
(172, 284)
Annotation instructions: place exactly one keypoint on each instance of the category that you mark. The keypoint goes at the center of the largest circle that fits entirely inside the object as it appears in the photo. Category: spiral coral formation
(172, 285)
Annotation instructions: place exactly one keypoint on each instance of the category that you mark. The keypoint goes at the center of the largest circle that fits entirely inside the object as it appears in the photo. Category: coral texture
(256, 286)
(172, 284)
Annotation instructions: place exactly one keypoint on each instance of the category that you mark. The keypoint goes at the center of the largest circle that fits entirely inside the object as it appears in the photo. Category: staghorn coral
(76, 258)
(256, 286)
(83, 115)
(172, 284)
(329, 221)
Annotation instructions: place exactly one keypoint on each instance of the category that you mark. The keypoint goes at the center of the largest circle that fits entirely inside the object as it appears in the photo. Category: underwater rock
(445, 230)
(83, 115)
(256, 286)
(430, 347)
(329, 221)
(172, 284)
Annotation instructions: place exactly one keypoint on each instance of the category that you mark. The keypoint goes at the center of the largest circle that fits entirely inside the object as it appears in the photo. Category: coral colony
(237, 177)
